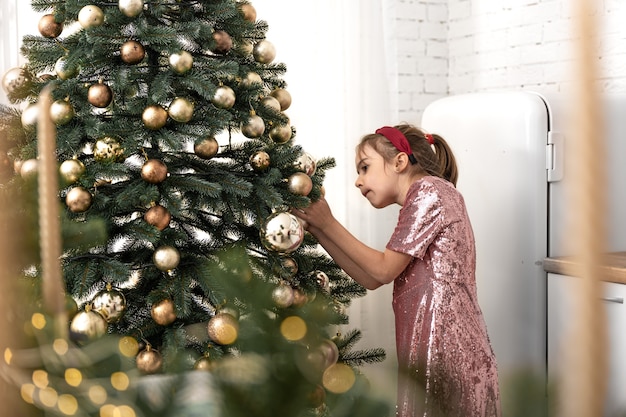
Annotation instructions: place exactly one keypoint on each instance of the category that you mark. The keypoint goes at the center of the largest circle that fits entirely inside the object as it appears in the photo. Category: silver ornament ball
(282, 232)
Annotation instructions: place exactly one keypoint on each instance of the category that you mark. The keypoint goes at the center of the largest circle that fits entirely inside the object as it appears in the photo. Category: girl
(446, 363)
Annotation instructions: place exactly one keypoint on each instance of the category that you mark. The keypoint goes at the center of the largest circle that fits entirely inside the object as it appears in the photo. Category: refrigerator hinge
(554, 156)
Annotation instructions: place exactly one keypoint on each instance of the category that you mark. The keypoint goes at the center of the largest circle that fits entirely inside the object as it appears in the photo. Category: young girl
(446, 363)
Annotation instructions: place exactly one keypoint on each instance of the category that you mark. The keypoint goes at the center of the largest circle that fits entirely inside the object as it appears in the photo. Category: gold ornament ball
(299, 297)
(61, 112)
(260, 161)
(249, 12)
(264, 52)
(282, 295)
(163, 312)
(224, 97)
(110, 303)
(222, 42)
(338, 378)
(131, 8)
(223, 329)
(149, 361)
(154, 171)
(204, 364)
(306, 164)
(64, 70)
(230, 309)
(322, 281)
(281, 133)
(181, 62)
(30, 114)
(90, 16)
(99, 95)
(132, 52)
(78, 200)
(254, 127)
(287, 269)
(17, 81)
(87, 326)
(108, 149)
(166, 258)
(281, 232)
(300, 183)
(206, 148)
(181, 109)
(29, 168)
(158, 216)
(154, 117)
(71, 170)
(283, 97)
(270, 103)
(49, 27)
(251, 79)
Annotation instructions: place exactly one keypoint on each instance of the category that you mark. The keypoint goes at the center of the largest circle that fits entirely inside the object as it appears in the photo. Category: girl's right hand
(317, 216)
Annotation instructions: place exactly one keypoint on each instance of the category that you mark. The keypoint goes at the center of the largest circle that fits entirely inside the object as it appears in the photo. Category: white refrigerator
(512, 153)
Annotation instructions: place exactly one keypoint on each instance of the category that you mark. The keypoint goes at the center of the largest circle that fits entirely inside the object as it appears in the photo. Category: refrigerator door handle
(554, 156)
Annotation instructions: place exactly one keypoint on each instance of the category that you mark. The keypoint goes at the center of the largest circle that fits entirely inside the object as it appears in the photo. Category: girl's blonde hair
(436, 159)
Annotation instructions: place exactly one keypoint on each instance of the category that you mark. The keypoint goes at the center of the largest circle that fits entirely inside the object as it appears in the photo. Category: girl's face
(377, 180)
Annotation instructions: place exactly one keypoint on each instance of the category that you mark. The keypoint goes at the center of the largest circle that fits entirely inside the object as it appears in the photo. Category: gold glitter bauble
(281, 133)
(108, 149)
(158, 216)
(338, 378)
(71, 170)
(132, 52)
(149, 361)
(222, 42)
(300, 183)
(206, 148)
(17, 81)
(224, 97)
(249, 12)
(154, 117)
(61, 112)
(264, 52)
(254, 127)
(78, 199)
(110, 303)
(131, 8)
(99, 95)
(181, 62)
(282, 232)
(90, 16)
(283, 97)
(260, 161)
(166, 258)
(223, 329)
(49, 27)
(163, 312)
(154, 171)
(181, 110)
(87, 326)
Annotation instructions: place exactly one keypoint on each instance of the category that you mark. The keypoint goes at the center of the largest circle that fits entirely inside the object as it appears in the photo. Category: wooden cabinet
(560, 317)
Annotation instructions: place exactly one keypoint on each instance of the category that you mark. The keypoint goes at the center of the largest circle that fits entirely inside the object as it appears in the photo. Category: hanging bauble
(287, 268)
(223, 329)
(260, 161)
(149, 361)
(281, 133)
(181, 110)
(224, 97)
(49, 27)
(87, 326)
(223, 42)
(206, 148)
(251, 79)
(299, 297)
(71, 170)
(158, 216)
(264, 52)
(282, 232)
(283, 97)
(317, 396)
(29, 168)
(270, 103)
(166, 258)
(229, 309)
(61, 112)
(17, 81)
(330, 351)
(204, 364)
(249, 12)
(90, 16)
(181, 62)
(64, 70)
(245, 47)
(300, 183)
(282, 295)
(254, 126)
(338, 378)
(163, 313)
(131, 8)
(78, 200)
(132, 52)
(154, 171)
(154, 117)
(306, 164)
(99, 95)
(322, 281)
(110, 303)
(108, 149)
(30, 114)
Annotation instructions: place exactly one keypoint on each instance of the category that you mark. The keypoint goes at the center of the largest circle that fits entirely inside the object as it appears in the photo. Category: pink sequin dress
(446, 364)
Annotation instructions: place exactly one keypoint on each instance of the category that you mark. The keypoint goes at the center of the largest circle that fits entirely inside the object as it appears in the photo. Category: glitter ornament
(110, 303)
(17, 81)
(181, 62)
(131, 8)
(224, 97)
(90, 16)
(223, 329)
(99, 95)
(154, 117)
(163, 312)
(78, 200)
(206, 148)
(87, 326)
(306, 164)
(254, 126)
(281, 133)
(166, 258)
(282, 232)
(61, 112)
(260, 161)
(149, 361)
(132, 52)
(300, 183)
(71, 170)
(222, 42)
(283, 97)
(264, 52)
(181, 110)
(154, 171)
(158, 216)
(49, 27)
(282, 295)
(108, 149)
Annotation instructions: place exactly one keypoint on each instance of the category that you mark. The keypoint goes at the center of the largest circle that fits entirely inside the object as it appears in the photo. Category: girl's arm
(368, 266)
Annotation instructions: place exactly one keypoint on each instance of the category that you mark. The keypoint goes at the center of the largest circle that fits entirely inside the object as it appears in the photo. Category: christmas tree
(183, 269)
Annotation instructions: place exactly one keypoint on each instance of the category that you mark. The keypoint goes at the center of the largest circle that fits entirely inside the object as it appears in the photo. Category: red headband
(398, 140)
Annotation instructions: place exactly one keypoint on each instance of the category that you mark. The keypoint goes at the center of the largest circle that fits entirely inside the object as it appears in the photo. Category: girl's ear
(401, 161)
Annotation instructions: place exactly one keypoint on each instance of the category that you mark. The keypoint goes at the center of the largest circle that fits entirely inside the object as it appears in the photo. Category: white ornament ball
(131, 8)
(90, 16)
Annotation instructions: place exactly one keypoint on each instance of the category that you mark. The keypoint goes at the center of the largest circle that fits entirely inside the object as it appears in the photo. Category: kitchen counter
(613, 268)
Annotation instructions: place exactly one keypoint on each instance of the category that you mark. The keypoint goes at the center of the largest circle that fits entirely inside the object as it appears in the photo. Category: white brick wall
(458, 46)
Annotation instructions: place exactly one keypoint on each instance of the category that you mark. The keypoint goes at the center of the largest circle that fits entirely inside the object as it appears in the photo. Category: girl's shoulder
(431, 183)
